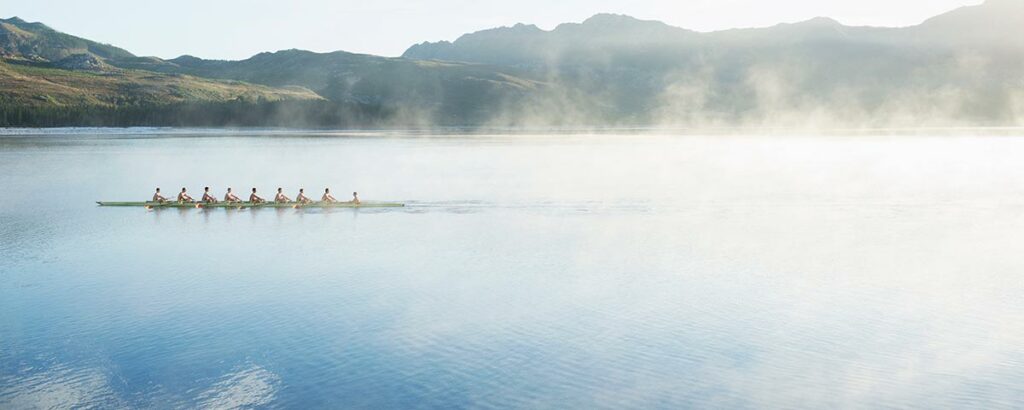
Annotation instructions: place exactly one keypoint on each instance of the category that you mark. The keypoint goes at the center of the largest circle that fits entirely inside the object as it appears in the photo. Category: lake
(573, 270)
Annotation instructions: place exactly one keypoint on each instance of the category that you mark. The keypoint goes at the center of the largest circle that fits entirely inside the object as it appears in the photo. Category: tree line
(316, 114)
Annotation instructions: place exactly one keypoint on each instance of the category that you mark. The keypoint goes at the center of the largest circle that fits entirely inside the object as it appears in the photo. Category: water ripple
(249, 387)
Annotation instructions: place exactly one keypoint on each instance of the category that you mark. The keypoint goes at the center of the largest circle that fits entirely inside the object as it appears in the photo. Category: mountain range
(965, 67)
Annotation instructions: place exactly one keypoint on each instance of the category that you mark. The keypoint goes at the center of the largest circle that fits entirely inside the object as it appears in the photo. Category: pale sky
(237, 29)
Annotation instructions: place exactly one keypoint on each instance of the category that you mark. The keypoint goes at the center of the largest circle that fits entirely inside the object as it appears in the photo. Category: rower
(183, 197)
(281, 197)
(302, 197)
(157, 197)
(326, 198)
(355, 198)
(255, 198)
(230, 197)
(207, 198)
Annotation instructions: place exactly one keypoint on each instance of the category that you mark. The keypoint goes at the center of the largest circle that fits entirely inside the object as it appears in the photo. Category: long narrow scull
(173, 204)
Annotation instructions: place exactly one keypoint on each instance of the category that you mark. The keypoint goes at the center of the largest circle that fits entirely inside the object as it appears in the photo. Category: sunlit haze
(304, 204)
(236, 29)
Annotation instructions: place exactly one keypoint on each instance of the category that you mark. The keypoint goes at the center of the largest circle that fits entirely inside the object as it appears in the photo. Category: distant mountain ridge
(995, 22)
(964, 67)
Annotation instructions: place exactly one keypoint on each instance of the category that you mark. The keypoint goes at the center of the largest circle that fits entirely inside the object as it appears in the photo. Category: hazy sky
(235, 29)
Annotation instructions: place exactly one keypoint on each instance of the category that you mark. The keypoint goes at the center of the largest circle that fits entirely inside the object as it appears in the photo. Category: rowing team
(230, 197)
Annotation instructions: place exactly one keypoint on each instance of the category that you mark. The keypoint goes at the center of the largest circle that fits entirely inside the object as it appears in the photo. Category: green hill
(417, 92)
(51, 78)
(35, 95)
(37, 86)
(46, 68)
(36, 41)
(965, 67)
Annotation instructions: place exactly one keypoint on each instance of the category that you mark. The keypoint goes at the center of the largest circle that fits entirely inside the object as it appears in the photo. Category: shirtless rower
(183, 197)
(231, 197)
(355, 198)
(326, 198)
(281, 197)
(302, 198)
(207, 197)
(157, 197)
(255, 198)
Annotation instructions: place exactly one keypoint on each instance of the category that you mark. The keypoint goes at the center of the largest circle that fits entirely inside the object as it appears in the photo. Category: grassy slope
(425, 91)
(31, 76)
(36, 86)
(18, 37)
(413, 91)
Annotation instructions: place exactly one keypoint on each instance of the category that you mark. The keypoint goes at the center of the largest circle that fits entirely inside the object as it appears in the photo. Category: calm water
(528, 271)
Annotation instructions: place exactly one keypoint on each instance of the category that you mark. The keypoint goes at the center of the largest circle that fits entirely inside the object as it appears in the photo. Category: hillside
(418, 92)
(41, 67)
(411, 92)
(963, 67)
(994, 24)
(34, 86)
(37, 42)
(52, 78)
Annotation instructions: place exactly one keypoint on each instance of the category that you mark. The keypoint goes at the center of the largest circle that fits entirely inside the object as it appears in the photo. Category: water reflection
(250, 387)
(58, 387)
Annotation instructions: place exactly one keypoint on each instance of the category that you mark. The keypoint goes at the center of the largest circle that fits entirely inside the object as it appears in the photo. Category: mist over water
(606, 270)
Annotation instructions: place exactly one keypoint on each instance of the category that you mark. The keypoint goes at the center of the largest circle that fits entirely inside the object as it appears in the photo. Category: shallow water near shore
(526, 271)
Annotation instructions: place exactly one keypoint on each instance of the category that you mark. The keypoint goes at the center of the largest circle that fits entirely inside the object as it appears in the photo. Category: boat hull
(171, 204)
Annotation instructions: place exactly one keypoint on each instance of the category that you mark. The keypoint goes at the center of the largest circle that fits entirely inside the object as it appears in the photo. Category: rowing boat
(173, 204)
